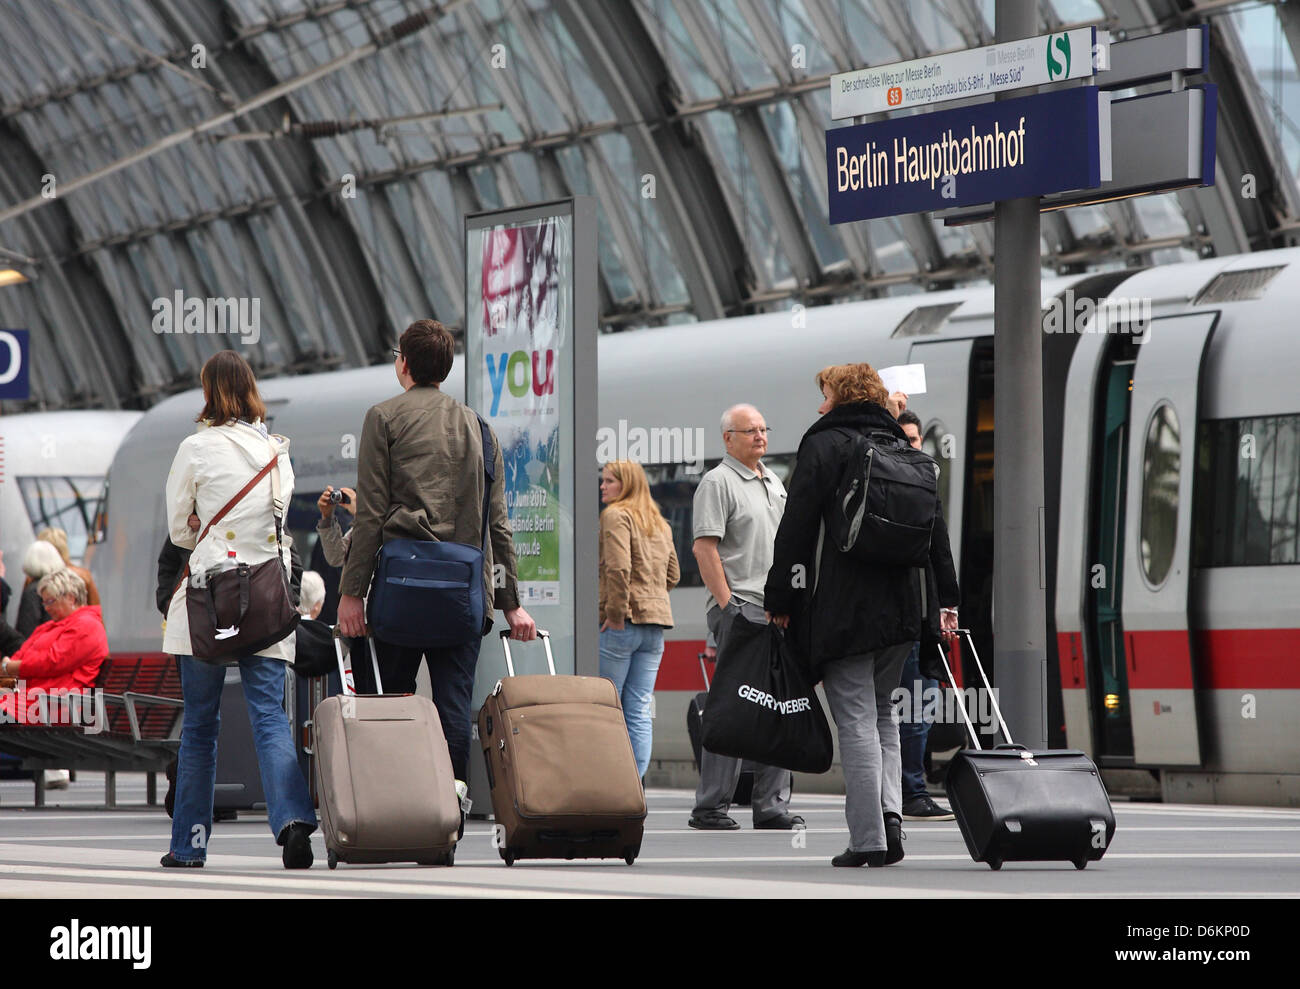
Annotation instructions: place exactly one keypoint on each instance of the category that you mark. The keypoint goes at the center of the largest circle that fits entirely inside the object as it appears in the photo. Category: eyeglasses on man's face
(764, 430)
(396, 352)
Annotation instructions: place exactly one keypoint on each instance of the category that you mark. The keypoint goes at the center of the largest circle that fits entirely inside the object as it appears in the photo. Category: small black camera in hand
(337, 496)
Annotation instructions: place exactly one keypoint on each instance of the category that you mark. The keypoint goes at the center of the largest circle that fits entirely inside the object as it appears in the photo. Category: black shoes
(170, 861)
(714, 820)
(922, 808)
(893, 853)
(893, 839)
(782, 822)
(849, 859)
(297, 846)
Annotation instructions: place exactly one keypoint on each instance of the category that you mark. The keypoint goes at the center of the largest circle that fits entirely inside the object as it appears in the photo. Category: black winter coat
(171, 561)
(10, 640)
(30, 611)
(857, 607)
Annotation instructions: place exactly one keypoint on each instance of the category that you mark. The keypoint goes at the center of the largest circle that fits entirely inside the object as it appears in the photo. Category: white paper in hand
(907, 378)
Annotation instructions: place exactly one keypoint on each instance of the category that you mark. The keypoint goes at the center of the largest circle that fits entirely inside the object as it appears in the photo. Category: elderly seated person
(64, 653)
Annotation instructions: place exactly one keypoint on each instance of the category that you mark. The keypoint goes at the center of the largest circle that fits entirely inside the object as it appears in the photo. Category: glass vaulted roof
(347, 233)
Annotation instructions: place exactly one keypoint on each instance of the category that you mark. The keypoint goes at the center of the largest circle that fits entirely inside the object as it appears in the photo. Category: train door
(1157, 541)
(1076, 576)
(1104, 569)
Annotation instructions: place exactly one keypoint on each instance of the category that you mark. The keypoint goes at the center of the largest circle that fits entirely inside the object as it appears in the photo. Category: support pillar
(1019, 574)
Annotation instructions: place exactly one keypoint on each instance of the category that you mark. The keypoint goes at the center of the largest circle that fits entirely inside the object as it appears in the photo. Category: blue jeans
(631, 658)
(287, 798)
(913, 730)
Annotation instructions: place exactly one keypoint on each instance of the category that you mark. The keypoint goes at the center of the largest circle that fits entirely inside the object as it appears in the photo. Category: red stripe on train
(1250, 658)
(680, 667)
(1227, 659)
(1069, 650)
(1159, 660)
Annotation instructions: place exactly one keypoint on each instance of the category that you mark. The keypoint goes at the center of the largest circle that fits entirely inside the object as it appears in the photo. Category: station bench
(142, 709)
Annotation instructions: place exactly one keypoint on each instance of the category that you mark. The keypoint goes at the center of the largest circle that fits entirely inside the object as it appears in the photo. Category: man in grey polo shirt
(738, 506)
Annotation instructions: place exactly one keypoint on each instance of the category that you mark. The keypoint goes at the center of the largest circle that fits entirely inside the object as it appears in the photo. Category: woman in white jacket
(230, 446)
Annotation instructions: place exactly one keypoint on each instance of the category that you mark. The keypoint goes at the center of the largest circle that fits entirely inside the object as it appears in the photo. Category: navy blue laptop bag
(429, 594)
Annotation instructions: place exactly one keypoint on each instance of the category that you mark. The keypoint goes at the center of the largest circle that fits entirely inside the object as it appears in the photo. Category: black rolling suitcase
(694, 720)
(1017, 805)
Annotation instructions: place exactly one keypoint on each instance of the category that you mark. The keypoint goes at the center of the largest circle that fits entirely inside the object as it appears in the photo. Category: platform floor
(74, 848)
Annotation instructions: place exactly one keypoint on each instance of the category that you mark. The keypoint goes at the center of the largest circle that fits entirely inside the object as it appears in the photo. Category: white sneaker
(57, 779)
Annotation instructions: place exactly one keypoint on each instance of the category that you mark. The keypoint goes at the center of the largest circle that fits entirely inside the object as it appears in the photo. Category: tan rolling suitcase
(384, 777)
(560, 766)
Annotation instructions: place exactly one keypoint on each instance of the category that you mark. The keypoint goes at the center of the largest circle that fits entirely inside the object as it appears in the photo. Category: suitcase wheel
(450, 859)
(332, 857)
(995, 864)
(1081, 862)
(629, 856)
(508, 855)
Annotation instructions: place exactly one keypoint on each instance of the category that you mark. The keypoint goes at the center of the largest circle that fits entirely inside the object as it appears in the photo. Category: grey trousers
(858, 689)
(719, 774)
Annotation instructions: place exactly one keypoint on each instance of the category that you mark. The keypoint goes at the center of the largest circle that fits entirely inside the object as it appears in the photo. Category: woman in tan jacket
(58, 538)
(638, 567)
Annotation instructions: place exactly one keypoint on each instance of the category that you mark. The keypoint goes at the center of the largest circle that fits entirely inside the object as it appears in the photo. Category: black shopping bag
(762, 705)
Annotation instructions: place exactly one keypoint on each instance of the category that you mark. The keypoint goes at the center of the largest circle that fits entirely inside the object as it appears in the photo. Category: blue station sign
(1030, 146)
(14, 370)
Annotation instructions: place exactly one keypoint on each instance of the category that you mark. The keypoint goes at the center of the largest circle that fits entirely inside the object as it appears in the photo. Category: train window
(1248, 492)
(69, 503)
(1161, 469)
(673, 489)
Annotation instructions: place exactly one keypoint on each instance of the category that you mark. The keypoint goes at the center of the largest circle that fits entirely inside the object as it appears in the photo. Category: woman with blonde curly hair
(854, 621)
(638, 567)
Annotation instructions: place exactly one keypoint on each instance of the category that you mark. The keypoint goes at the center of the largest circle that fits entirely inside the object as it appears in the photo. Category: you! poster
(522, 316)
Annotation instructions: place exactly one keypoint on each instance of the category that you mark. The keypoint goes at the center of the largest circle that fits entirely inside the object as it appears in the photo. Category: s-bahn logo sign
(14, 351)
(1031, 146)
(1058, 68)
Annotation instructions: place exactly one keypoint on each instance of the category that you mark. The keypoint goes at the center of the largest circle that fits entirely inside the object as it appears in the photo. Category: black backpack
(885, 504)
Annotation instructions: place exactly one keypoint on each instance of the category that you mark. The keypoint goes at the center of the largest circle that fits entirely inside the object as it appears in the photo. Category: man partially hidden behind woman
(855, 621)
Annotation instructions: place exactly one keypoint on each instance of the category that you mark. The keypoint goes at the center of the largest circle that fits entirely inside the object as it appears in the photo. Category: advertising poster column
(530, 366)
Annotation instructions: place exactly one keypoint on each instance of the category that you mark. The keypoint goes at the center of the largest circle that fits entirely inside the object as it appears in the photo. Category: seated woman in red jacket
(64, 653)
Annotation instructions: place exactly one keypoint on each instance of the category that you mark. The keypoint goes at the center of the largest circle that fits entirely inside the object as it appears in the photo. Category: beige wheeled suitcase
(384, 777)
(560, 766)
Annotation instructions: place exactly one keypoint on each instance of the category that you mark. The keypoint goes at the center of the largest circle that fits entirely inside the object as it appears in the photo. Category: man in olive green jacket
(420, 476)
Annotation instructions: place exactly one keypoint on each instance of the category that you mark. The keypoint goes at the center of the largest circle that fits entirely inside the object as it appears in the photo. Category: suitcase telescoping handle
(542, 634)
(345, 675)
(961, 703)
(705, 670)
